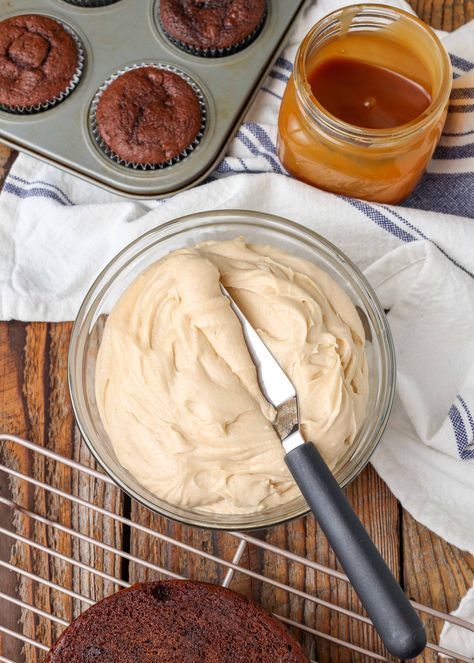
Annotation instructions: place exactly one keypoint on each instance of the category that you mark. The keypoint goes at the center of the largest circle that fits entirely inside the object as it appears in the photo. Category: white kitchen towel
(57, 232)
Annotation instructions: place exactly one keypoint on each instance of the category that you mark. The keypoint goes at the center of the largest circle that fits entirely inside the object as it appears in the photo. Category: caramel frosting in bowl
(177, 390)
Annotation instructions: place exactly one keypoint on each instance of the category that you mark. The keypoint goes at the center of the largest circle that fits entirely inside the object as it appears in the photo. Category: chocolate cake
(176, 622)
(39, 60)
(223, 25)
(148, 115)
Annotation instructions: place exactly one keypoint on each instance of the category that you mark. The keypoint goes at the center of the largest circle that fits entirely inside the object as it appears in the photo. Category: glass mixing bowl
(188, 231)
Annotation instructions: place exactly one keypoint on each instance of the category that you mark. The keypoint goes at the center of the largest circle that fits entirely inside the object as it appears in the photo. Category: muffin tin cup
(214, 52)
(108, 152)
(46, 105)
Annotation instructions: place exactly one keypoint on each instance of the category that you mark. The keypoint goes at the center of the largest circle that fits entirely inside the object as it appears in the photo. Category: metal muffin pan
(127, 33)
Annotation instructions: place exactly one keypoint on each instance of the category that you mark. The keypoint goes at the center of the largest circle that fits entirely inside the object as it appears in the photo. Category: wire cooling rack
(27, 630)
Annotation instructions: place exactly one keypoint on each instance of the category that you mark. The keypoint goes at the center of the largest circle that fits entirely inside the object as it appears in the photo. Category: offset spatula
(396, 621)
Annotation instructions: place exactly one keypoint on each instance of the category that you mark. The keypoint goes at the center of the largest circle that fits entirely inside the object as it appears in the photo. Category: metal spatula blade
(275, 386)
(389, 609)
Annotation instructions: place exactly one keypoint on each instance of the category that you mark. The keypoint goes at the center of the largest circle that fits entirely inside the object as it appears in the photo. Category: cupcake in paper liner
(41, 62)
(211, 28)
(148, 116)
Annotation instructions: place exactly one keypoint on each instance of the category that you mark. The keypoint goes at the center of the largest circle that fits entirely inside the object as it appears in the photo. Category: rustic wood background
(34, 403)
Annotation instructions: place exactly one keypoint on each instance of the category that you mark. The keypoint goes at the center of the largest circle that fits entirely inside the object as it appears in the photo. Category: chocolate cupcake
(148, 117)
(41, 61)
(176, 621)
(212, 28)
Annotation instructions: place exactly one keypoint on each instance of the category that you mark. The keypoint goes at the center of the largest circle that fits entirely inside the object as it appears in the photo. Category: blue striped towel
(57, 232)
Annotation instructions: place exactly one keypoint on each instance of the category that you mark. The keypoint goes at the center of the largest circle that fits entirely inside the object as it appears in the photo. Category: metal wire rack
(27, 630)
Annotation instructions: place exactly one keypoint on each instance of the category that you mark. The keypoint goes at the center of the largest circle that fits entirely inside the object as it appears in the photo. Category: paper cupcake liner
(105, 149)
(76, 77)
(91, 3)
(214, 52)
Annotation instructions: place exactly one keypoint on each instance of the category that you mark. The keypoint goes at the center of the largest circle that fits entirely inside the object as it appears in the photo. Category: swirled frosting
(177, 390)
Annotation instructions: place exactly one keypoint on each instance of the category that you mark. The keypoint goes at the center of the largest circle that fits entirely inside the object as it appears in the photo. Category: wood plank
(444, 14)
(171, 557)
(379, 512)
(35, 404)
(435, 573)
(7, 157)
(13, 417)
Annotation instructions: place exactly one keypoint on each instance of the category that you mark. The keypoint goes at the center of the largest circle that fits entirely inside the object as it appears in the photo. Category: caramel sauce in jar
(367, 95)
(366, 104)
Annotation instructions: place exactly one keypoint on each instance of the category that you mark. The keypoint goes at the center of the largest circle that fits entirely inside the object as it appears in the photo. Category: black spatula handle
(396, 621)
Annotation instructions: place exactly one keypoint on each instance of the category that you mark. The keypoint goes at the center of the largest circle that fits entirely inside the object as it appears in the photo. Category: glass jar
(382, 165)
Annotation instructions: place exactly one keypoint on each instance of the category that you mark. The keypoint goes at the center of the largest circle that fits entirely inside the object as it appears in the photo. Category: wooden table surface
(34, 403)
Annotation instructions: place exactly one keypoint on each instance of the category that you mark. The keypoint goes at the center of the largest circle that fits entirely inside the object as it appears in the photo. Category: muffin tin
(124, 34)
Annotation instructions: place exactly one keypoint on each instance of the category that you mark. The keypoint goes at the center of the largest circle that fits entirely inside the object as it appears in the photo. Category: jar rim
(351, 131)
